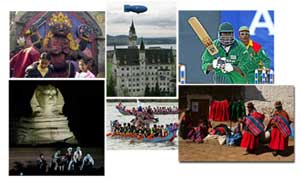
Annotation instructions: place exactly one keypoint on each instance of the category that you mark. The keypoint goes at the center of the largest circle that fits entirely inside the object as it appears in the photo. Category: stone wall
(265, 96)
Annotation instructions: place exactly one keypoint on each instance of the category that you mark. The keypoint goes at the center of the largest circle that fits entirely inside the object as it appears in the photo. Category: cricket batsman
(233, 63)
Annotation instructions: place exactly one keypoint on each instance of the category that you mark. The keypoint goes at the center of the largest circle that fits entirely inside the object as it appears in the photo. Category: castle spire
(132, 38)
(132, 28)
(142, 46)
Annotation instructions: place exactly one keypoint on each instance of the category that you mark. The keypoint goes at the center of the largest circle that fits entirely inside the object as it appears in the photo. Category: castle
(138, 71)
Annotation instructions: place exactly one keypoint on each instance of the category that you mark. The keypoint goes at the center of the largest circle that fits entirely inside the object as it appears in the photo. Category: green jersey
(238, 56)
(259, 57)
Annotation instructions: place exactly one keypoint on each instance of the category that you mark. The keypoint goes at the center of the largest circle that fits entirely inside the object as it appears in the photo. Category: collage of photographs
(144, 76)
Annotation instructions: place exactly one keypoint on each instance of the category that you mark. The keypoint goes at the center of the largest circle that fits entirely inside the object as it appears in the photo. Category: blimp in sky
(135, 8)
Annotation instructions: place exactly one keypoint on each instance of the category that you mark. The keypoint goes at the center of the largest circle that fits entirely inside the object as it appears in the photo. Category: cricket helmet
(227, 39)
(225, 27)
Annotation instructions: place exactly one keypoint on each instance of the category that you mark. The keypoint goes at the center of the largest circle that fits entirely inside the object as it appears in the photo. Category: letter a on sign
(266, 24)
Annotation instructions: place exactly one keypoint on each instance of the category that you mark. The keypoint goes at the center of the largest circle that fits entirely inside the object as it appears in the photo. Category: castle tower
(142, 54)
(132, 39)
(142, 60)
(115, 63)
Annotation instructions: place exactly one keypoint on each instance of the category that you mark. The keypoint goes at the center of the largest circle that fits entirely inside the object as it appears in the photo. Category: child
(40, 68)
(84, 70)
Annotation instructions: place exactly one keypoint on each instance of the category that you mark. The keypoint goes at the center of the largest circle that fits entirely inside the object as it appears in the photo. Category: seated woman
(197, 134)
(186, 124)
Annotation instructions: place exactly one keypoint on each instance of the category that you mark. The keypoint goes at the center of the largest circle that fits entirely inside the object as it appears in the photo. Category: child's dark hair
(45, 56)
(83, 59)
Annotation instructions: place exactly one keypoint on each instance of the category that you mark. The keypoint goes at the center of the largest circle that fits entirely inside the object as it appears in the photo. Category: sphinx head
(46, 95)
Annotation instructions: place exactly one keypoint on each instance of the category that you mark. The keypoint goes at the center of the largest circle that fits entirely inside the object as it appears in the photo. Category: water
(165, 46)
(122, 144)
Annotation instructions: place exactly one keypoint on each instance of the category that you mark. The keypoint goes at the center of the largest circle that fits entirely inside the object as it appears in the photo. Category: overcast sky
(158, 21)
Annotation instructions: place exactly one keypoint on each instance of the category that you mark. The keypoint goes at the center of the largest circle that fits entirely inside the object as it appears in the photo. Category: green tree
(147, 91)
(126, 91)
(156, 91)
(111, 87)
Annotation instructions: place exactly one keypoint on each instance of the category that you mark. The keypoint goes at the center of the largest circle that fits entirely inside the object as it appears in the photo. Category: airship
(135, 8)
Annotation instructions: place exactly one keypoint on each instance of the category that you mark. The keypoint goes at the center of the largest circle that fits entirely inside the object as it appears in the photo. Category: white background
(163, 165)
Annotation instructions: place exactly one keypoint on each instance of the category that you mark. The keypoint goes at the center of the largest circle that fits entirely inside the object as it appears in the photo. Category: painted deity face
(60, 29)
(60, 24)
(84, 31)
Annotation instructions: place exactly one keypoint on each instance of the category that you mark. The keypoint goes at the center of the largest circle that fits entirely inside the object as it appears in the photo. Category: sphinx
(47, 124)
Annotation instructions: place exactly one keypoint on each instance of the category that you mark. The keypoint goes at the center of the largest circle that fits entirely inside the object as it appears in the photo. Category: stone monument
(47, 124)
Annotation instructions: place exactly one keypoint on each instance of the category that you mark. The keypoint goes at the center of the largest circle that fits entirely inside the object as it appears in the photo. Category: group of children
(161, 110)
(43, 68)
(149, 110)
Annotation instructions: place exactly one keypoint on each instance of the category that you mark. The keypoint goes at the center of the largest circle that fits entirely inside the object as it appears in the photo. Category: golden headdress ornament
(60, 18)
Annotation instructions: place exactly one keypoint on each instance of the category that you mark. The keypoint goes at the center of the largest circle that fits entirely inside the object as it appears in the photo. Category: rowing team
(141, 131)
(148, 109)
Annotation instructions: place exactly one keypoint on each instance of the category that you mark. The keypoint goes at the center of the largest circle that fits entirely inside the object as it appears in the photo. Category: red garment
(219, 110)
(249, 141)
(256, 46)
(20, 61)
(278, 141)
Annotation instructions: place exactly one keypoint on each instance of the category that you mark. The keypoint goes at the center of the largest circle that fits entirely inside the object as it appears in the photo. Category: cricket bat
(203, 36)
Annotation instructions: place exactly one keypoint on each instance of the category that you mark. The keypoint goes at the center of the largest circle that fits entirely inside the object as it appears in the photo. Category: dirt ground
(213, 152)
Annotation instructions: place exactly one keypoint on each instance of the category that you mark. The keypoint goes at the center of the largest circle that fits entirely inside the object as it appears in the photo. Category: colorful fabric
(283, 125)
(237, 110)
(197, 134)
(20, 61)
(219, 110)
(238, 56)
(234, 139)
(220, 129)
(254, 123)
